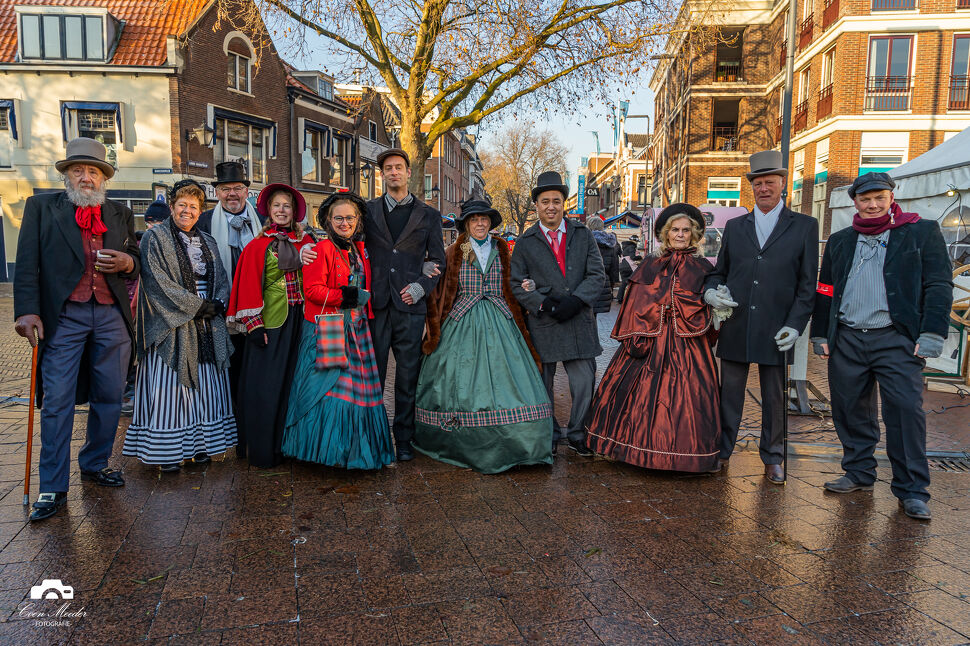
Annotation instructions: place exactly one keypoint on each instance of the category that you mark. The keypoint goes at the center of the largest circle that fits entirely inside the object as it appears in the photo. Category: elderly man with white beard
(75, 251)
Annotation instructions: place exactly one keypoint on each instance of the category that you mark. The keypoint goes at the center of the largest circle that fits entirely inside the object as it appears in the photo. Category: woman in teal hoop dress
(336, 416)
(480, 403)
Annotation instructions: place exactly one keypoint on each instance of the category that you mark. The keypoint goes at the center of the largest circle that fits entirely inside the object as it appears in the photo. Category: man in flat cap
(75, 251)
(882, 308)
(766, 268)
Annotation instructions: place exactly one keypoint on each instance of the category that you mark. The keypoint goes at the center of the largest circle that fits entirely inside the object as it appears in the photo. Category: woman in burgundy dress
(657, 405)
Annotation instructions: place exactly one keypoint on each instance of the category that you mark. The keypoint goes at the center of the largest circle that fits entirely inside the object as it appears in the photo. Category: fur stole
(443, 296)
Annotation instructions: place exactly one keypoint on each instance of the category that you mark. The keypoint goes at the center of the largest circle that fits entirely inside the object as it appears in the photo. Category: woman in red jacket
(336, 412)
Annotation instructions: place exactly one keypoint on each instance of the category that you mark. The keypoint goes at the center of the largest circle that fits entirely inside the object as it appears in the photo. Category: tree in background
(512, 163)
(449, 65)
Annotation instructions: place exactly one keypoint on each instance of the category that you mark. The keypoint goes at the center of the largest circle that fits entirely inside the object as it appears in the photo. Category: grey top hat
(84, 150)
(767, 162)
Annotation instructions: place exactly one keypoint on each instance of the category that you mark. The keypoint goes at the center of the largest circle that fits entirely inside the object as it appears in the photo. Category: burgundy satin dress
(657, 405)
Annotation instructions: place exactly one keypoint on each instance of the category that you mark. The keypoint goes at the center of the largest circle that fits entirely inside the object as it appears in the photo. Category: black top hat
(230, 172)
(681, 208)
(550, 181)
(477, 207)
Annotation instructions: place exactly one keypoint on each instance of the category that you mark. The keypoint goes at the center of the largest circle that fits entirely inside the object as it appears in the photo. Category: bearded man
(75, 251)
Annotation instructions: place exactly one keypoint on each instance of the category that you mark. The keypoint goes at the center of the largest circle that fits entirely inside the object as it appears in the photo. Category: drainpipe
(294, 136)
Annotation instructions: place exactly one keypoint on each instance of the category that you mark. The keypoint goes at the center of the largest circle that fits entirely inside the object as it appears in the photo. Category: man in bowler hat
(557, 276)
(882, 308)
(766, 269)
(75, 251)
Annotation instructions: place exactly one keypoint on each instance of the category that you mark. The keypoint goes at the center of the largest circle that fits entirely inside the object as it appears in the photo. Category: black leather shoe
(405, 454)
(916, 508)
(170, 468)
(47, 505)
(202, 458)
(774, 474)
(555, 448)
(845, 484)
(581, 449)
(240, 451)
(105, 477)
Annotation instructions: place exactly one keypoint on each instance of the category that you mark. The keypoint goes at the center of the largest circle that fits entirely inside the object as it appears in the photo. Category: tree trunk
(414, 143)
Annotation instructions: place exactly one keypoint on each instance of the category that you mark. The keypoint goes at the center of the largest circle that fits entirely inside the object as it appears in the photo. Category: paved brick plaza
(585, 552)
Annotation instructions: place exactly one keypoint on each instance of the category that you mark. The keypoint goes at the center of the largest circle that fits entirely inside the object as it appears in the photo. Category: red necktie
(554, 241)
(89, 219)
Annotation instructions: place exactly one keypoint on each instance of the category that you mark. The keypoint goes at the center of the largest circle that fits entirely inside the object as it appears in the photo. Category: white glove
(785, 339)
(529, 285)
(719, 298)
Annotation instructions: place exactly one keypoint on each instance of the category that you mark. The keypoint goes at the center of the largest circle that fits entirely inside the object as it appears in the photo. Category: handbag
(331, 342)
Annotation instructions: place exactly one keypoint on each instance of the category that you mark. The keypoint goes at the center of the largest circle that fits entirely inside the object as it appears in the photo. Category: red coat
(323, 278)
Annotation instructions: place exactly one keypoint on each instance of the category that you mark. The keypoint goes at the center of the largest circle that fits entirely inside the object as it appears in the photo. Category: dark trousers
(99, 332)
(582, 376)
(235, 371)
(400, 332)
(860, 360)
(734, 379)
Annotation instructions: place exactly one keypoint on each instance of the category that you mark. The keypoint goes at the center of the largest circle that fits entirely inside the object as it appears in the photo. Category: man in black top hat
(882, 308)
(400, 233)
(558, 276)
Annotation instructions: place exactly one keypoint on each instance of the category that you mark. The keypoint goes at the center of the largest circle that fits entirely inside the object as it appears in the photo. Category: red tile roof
(147, 25)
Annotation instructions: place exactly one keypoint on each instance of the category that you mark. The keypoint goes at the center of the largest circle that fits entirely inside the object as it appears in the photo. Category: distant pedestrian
(657, 404)
(557, 277)
(75, 251)
(267, 305)
(606, 242)
(182, 405)
(767, 268)
(882, 308)
(628, 265)
(481, 402)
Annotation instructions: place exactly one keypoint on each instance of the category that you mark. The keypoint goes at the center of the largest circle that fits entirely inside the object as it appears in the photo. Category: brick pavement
(584, 552)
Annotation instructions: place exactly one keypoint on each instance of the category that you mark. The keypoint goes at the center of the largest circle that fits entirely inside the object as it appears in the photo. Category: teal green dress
(481, 403)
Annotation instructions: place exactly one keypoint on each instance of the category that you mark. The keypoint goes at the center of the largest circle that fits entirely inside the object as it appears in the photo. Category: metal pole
(787, 103)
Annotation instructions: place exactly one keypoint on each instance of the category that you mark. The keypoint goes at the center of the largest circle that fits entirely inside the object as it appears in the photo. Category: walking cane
(784, 427)
(30, 417)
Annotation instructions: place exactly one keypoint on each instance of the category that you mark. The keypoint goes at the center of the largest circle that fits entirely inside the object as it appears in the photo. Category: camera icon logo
(51, 589)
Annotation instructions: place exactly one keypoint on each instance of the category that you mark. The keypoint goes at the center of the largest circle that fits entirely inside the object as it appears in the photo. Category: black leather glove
(351, 297)
(257, 337)
(208, 310)
(549, 305)
(569, 307)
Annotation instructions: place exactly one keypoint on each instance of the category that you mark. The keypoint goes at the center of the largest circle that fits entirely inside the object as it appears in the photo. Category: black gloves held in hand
(257, 337)
(568, 307)
(210, 309)
(351, 297)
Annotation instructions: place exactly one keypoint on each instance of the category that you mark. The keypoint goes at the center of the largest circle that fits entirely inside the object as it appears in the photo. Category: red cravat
(89, 219)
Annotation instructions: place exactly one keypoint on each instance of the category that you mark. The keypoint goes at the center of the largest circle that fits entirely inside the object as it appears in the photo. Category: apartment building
(617, 186)
(876, 83)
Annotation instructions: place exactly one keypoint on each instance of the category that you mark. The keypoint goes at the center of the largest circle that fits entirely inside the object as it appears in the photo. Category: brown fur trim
(443, 297)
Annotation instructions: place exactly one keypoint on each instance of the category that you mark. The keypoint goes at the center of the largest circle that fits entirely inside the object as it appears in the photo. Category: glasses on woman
(340, 219)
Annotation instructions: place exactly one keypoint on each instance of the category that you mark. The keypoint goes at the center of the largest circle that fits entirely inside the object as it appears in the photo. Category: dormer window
(325, 88)
(49, 33)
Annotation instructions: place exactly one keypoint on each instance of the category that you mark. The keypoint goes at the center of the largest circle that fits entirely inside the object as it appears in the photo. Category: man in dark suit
(766, 268)
(557, 276)
(882, 308)
(75, 251)
(400, 233)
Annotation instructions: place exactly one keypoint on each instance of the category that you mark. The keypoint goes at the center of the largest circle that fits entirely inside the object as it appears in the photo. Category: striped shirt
(864, 305)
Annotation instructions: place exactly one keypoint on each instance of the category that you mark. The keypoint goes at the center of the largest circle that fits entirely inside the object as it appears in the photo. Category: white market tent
(921, 183)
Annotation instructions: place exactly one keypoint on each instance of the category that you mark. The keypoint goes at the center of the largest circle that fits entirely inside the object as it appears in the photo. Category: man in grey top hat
(882, 308)
(75, 250)
(766, 268)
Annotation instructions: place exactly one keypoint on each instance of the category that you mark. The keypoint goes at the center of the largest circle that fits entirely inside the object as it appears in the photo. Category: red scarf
(89, 219)
(892, 220)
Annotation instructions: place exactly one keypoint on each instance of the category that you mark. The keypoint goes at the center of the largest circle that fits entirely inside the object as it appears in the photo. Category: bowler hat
(393, 152)
(766, 162)
(299, 204)
(477, 207)
(679, 209)
(230, 172)
(871, 182)
(84, 150)
(549, 181)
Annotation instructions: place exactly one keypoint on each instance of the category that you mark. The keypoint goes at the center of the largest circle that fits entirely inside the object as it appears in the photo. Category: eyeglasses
(233, 189)
(340, 220)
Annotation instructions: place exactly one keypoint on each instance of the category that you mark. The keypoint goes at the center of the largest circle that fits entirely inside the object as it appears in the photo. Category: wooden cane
(30, 418)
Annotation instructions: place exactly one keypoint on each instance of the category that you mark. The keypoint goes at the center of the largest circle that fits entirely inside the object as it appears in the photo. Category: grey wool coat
(166, 307)
(533, 258)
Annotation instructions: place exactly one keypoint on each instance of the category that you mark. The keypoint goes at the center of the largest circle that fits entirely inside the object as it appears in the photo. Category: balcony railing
(778, 125)
(824, 106)
(725, 138)
(888, 93)
(805, 32)
(963, 4)
(831, 13)
(783, 56)
(959, 93)
(727, 71)
(893, 5)
(800, 119)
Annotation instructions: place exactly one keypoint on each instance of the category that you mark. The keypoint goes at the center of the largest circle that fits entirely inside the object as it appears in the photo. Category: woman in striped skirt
(182, 405)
